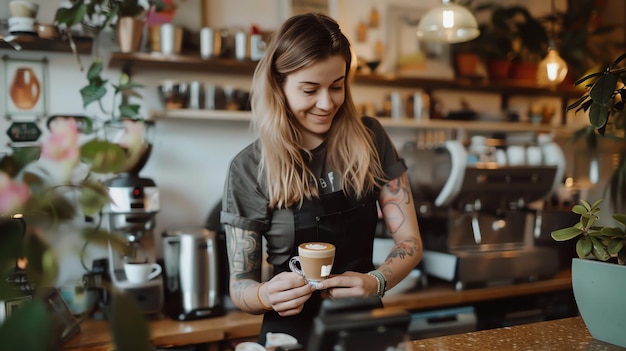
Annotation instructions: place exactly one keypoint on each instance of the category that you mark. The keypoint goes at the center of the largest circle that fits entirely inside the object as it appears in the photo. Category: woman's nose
(324, 101)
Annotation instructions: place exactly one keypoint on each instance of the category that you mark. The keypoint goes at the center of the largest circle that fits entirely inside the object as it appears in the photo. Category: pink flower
(13, 195)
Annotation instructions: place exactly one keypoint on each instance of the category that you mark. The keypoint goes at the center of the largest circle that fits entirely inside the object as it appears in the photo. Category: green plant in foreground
(596, 242)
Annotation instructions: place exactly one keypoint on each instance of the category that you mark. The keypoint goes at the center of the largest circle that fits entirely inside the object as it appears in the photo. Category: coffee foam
(316, 250)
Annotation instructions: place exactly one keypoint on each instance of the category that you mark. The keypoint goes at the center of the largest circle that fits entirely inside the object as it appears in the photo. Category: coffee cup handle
(293, 265)
(156, 270)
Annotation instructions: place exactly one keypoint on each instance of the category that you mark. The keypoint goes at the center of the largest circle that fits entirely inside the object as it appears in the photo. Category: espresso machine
(131, 215)
(476, 219)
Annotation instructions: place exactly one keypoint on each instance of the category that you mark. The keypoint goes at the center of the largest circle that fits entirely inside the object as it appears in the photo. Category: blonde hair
(301, 41)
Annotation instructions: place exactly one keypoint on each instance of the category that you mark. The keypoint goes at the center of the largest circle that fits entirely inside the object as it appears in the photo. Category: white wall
(190, 157)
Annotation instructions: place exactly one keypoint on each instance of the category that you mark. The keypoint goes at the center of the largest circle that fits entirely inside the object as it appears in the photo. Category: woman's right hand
(287, 292)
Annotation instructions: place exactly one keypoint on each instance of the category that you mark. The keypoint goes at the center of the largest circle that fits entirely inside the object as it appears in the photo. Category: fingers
(287, 292)
(349, 284)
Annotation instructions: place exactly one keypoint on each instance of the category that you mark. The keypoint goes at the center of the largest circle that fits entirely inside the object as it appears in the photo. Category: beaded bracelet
(382, 282)
(258, 297)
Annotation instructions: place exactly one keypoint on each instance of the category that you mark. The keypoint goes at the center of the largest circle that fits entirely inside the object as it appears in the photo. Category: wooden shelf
(404, 123)
(208, 115)
(34, 43)
(510, 88)
(143, 60)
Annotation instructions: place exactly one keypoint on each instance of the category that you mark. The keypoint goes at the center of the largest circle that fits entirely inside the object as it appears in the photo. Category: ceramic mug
(141, 272)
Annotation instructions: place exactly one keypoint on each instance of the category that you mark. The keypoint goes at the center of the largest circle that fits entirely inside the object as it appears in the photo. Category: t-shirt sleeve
(391, 163)
(244, 204)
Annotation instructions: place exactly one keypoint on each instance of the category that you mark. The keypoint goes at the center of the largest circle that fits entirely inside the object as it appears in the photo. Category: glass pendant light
(448, 23)
(552, 69)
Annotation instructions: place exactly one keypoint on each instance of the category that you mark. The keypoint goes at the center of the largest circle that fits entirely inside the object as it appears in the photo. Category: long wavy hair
(302, 41)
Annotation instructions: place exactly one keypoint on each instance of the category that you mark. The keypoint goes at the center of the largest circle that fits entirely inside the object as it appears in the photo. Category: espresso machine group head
(132, 215)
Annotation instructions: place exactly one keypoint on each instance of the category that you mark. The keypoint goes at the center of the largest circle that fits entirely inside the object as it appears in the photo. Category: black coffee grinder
(132, 213)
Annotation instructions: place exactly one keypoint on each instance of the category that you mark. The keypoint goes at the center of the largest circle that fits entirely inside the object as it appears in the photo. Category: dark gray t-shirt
(245, 202)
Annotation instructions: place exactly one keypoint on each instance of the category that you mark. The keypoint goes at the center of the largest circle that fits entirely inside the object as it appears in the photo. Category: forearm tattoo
(244, 258)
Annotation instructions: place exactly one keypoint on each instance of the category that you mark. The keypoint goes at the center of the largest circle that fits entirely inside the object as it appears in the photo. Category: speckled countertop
(567, 334)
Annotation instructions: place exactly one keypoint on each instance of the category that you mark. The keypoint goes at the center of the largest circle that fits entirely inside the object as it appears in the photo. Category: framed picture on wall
(406, 55)
(26, 87)
(289, 8)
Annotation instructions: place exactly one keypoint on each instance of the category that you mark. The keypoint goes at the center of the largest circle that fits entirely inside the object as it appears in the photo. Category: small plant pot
(466, 64)
(599, 293)
(498, 70)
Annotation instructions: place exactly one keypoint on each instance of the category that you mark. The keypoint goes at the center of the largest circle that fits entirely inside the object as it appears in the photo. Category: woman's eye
(340, 87)
(309, 92)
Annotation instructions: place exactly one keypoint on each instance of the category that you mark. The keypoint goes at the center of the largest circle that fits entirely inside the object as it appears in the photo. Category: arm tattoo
(244, 259)
(401, 250)
(395, 192)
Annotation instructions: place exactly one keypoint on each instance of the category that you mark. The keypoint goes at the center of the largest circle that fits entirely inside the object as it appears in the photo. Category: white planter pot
(600, 292)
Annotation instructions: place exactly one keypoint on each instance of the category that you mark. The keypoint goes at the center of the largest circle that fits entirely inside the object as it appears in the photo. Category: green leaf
(92, 93)
(599, 115)
(566, 234)
(583, 247)
(604, 88)
(620, 218)
(30, 328)
(581, 209)
(613, 232)
(72, 15)
(129, 111)
(102, 156)
(615, 245)
(95, 70)
(599, 250)
(129, 326)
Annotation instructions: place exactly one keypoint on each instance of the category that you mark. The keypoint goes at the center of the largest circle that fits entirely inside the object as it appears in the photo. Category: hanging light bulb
(448, 23)
(552, 69)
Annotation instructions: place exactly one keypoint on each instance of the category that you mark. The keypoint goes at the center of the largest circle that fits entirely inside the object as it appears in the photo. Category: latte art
(316, 246)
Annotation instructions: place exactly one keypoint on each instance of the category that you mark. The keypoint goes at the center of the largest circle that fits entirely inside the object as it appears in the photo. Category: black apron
(347, 223)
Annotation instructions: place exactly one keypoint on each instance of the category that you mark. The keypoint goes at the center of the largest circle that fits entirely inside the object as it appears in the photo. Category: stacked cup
(22, 20)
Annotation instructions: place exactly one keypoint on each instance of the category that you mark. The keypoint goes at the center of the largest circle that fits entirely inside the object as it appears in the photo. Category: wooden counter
(568, 334)
(94, 335)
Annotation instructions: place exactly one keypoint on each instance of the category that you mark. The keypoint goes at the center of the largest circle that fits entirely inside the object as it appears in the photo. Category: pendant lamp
(552, 69)
(448, 23)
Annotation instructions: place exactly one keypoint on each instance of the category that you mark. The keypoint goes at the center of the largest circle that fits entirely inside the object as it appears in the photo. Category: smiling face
(314, 95)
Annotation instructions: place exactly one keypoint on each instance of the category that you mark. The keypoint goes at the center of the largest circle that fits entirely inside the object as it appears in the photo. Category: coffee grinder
(132, 215)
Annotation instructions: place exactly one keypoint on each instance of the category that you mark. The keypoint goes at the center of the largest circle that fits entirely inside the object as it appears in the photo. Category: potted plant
(28, 197)
(126, 17)
(599, 272)
(76, 190)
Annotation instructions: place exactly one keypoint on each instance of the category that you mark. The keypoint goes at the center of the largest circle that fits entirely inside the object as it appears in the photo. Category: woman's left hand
(349, 284)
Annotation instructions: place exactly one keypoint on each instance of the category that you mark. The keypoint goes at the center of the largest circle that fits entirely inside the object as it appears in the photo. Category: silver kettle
(191, 263)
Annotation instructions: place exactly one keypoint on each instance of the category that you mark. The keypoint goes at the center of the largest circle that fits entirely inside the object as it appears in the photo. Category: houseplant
(599, 272)
(43, 205)
(59, 182)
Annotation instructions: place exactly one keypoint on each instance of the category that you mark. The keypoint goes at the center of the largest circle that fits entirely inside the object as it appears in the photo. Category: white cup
(534, 156)
(141, 272)
(516, 155)
(241, 46)
(171, 38)
(257, 47)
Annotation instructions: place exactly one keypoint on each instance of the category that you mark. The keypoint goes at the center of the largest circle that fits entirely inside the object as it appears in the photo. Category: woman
(316, 173)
